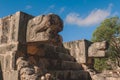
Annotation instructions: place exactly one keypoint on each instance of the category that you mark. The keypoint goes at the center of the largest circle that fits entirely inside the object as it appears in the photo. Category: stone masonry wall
(78, 49)
(12, 33)
(85, 51)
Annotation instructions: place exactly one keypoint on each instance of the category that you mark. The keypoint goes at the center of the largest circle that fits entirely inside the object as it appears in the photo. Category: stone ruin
(32, 49)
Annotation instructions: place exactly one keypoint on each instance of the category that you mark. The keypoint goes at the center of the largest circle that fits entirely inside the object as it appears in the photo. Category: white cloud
(28, 7)
(96, 16)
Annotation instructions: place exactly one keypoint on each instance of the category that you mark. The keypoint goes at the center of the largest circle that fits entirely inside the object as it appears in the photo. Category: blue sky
(81, 17)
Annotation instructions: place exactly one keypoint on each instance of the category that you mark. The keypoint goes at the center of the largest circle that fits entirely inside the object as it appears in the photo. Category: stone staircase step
(64, 65)
(71, 75)
(55, 64)
(41, 45)
(60, 56)
(48, 51)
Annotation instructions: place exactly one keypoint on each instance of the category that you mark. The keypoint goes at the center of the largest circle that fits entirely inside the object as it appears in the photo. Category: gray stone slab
(13, 28)
(2, 62)
(97, 49)
(10, 75)
(78, 49)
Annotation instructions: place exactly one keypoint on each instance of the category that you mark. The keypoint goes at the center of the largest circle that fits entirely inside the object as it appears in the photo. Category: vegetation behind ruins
(109, 30)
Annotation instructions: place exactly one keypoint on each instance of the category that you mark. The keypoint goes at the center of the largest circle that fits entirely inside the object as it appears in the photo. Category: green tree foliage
(115, 49)
(109, 30)
(100, 64)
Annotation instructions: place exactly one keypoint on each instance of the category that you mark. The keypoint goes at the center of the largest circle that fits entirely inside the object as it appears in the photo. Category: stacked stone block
(12, 34)
(45, 28)
(85, 51)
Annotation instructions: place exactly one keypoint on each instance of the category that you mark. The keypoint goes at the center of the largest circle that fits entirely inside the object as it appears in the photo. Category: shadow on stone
(1, 74)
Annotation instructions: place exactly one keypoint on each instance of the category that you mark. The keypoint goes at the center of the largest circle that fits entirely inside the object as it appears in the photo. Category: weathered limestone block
(10, 75)
(62, 50)
(29, 77)
(65, 57)
(21, 63)
(26, 70)
(68, 65)
(7, 61)
(13, 28)
(2, 62)
(83, 51)
(44, 63)
(71, 75)
(48, 76)
(78, 49)
(45, 28)
(49, 51)
(97, 49)
(7, 53)
(12, 34)
(8, 47)
(63, 65)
